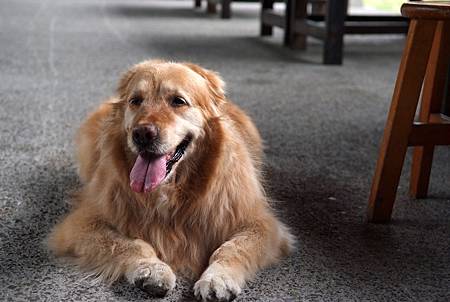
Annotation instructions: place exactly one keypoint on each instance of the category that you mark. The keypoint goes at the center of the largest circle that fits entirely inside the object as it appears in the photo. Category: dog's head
(165, 108)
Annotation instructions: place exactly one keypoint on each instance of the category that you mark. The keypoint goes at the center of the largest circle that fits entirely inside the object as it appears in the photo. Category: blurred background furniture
(211, 7)
(326, 20)
(424, 71)
(225, 6)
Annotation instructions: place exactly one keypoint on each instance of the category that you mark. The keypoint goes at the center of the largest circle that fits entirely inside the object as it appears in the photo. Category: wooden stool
(425, 61)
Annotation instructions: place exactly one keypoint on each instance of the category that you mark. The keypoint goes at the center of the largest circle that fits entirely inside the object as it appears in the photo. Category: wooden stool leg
(400, 119)
(226, 9)
(446, 102)
(421, 171)
(432, 96)
(335, 25)
(266, 30)
(295, 11)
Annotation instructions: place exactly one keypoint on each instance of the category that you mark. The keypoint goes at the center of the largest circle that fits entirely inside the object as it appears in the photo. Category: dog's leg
(235, 261)
(99, 248)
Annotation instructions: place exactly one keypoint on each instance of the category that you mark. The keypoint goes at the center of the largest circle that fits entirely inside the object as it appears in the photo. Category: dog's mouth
(150, 170)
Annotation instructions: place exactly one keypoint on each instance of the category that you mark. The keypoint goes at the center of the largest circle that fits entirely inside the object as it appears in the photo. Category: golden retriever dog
(171, 174)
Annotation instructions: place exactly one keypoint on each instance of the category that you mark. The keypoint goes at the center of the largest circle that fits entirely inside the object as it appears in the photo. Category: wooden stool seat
(423, 72)
(427, 10)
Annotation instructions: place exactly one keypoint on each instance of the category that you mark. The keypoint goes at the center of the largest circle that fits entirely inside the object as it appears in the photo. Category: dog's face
(166, 106)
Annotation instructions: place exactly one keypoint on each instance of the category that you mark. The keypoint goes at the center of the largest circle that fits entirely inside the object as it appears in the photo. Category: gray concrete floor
(322, 126)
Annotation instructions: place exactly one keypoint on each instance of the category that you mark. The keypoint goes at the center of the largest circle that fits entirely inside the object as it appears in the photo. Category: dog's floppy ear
(215, 83)
(124, 81)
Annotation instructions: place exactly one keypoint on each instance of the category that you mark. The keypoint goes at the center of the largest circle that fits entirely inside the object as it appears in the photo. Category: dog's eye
(178, 101)
(136, 100)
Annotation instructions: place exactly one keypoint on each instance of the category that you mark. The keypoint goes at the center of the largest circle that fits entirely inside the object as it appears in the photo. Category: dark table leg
(211, 7)
(334, 27)
(226, 9)
(197, 3)
(295, 11)
(266, 30)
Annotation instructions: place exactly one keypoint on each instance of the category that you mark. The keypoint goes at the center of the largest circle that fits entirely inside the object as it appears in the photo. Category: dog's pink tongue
(147, 174)
(156, 172)
(138, 173)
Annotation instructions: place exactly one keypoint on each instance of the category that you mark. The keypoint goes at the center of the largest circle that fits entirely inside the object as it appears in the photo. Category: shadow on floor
(223, 49)
(146, 11)
(46, 193)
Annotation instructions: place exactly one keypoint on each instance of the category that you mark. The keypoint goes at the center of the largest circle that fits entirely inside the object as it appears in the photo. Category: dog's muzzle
(150, 169)
(145, 137)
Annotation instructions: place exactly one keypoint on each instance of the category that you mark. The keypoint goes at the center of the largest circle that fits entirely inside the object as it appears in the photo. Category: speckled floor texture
(322, 127)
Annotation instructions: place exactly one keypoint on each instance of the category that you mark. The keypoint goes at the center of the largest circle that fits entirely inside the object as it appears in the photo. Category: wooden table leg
(226, 9)
(318, 8)
(266, 30)
(211, 7)
(334, 28)
(295, 11)
(432, 97)
(400, 119)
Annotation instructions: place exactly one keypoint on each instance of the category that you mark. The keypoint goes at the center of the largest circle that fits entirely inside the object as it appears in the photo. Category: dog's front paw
(216, 284)
(154, 277)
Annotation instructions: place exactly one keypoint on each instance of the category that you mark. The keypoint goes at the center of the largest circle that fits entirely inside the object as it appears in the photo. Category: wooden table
(328, 21)
(211, 7)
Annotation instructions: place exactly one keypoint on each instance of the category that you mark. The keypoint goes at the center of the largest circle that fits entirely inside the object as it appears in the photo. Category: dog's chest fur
(176, 228)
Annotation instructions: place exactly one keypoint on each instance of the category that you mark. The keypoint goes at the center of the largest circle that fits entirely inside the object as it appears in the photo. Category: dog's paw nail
(155, 290)
(216, 288)
(155, 278)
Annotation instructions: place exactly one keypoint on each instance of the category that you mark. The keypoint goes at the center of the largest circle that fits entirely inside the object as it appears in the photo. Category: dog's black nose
(144, 135)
